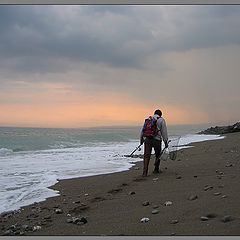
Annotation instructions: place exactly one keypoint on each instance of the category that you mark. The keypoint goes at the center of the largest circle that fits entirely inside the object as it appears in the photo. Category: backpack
(150, 129)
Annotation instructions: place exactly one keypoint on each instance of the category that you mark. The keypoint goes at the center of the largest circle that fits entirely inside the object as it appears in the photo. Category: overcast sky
(74, 66)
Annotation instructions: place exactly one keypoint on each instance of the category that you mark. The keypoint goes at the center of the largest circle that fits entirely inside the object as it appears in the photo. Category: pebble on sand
(168, 203)
(192, 197)
(207, 187)
(36, 228)
(131, 193)
(58, 211)
(204, 218)
(227, 218)
(146, 203)
(174, 221)
(144, 220)
(155, 211)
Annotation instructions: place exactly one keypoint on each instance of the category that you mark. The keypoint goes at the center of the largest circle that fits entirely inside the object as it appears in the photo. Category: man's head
(158, 112)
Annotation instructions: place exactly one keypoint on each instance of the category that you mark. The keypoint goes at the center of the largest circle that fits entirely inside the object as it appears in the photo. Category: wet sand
(202, 186)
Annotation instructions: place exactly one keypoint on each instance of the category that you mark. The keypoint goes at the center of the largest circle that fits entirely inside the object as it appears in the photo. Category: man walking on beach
(153, 132)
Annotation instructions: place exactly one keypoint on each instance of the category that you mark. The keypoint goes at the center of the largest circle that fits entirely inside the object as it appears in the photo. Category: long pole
(135, 150)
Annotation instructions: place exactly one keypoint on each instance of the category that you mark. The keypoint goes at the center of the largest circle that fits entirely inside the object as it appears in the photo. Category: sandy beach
(197, 194)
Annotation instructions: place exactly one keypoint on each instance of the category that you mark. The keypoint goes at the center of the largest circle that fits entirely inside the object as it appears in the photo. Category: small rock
(173, 234)
(76, 202)
(155, 179)
(221, 173)
(84, 220)
(69, 220)
(228, 165)
(195, 176)
(131, 193)
(178, 177)
(204, 218)
(227, 218)
(192, 197)
(75, 220)
(217, 193)
(86, 194)
(174, 221)
(146, 203)
(58, 211)
(80, 223)
(168, 203)
(144, 220)
(68, 215)
(36, 228)
(223, 196)
(155, 211)
(25, 227)
(206, 188)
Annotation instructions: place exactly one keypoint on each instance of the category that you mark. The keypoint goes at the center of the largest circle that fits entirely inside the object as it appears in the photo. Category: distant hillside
(222, 129)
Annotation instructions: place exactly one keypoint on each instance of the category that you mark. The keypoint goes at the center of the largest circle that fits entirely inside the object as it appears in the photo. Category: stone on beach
(146, 203)
(77, 220)
(58, 211)
(227, 218)
(207, 187)
(204, 218)
(155, 211)
(168, 203)
(131, 193)
(192, 197)
(144, 220)
(174, 221)
(36, 228)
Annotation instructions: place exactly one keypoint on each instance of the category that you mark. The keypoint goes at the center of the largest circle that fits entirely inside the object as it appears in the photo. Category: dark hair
(158, 112)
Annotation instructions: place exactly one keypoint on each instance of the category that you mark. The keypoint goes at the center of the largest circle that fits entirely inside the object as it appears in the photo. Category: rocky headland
(222, 129)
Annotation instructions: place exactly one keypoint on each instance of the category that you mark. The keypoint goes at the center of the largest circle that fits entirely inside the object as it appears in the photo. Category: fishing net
(171, 151)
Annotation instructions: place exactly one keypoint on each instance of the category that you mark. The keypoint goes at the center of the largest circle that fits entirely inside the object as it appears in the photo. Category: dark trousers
(148, 145)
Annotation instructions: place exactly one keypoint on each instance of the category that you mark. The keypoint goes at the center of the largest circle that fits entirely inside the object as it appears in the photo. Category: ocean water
(32, 159)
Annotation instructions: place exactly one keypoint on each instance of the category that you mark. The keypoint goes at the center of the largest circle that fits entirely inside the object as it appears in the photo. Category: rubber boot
(157, 163)
(145, 167)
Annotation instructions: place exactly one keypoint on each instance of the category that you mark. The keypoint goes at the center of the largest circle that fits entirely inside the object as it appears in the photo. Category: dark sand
(110, 209)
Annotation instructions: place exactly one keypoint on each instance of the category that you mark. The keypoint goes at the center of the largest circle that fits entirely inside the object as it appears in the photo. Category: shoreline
(112, 204)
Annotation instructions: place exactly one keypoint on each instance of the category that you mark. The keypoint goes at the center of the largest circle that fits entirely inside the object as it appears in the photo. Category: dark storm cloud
(53, 38)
